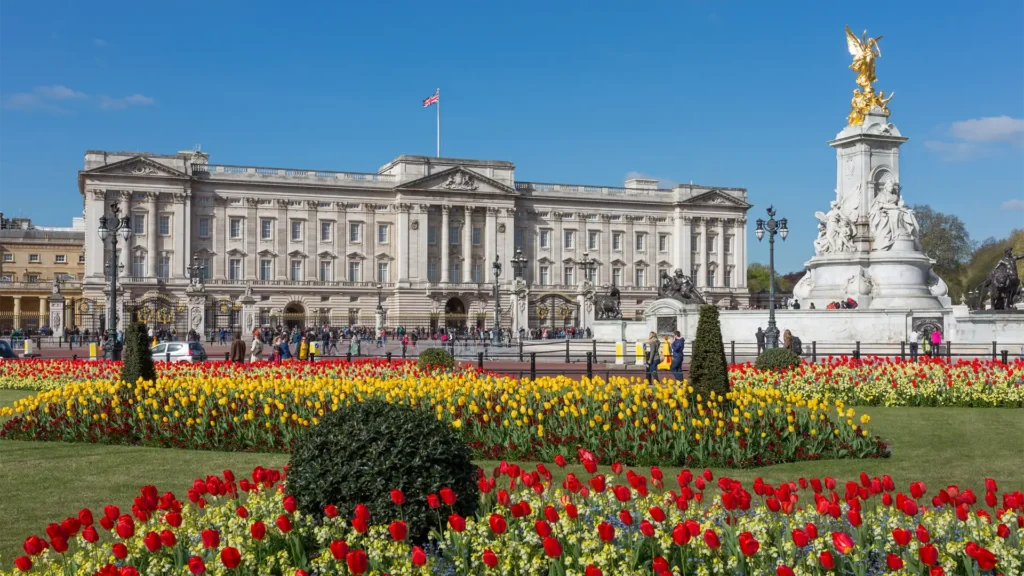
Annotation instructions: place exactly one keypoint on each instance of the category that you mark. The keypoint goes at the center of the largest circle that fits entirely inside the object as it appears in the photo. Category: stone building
(420, 234)
(31, 257)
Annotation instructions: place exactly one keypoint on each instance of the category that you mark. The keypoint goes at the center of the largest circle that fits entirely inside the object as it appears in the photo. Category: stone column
(518, 303)
(677, 243)
(252, 233)
(124, 259)
(740, 253)
(702, 256)
(94, 247)
(423, 249)
(629, 252)
(403, 253)
(151, 231)
(606, 255)
(219, 234)
(720, 248)
(43, 312)
(56, 314)
(311, 263)
(558, 252)
(197, 312)
(281, 237)
(17, 312)
(490, 240)
(340, 240)
(508, 220)
(687, 248)
(444, 241)
(250, 316)
(467, 245)
(184, 234)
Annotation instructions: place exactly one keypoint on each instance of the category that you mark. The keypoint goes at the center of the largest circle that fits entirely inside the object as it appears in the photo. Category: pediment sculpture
(460, 180)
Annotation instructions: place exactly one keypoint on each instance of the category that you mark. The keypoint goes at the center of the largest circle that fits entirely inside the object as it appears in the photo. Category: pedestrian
(285, 352)
(256, 348)
(759, 335)
(796, 304)
(915, 337)
(936, 342)
(237, 349)
(678, 347)
(653, 358)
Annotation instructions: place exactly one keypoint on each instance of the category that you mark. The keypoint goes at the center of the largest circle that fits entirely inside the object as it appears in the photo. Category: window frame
(295, 270)
(160, 225)
(327, 266)
(355, 232)
(60, 258)
(269, 269)
(34, 259)
(232, 221)
(385, 228)
(326, 226)
(269, 223)
(232, 276)
(617, 241)
(292, 229)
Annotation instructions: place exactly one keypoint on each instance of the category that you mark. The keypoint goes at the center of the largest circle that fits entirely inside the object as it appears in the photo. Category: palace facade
(419, 236)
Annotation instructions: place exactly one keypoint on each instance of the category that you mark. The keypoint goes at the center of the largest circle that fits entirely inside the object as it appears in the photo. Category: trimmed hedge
(777, 360)
(434, 358)
(137, 354)
(709, 372)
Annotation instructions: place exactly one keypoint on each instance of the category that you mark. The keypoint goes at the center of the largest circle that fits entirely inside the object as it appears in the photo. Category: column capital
(403, 207)
(96, 194)
(124, 195)
(492, 210)
(446, 208)
(152, 196)
(312, 204)
(424, 208)
(252, 202)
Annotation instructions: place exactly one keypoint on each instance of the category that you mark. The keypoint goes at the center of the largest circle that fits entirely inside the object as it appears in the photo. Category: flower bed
(875, 381)
(615, 524)
(498, 417)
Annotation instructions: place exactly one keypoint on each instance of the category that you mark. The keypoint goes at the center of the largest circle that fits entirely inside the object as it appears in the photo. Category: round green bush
(777, 360)
(434, 358)
(363, 451)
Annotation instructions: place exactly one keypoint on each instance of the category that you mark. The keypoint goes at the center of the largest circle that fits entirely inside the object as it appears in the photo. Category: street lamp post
(586, 264)
(112, 227)
(380, 288)
(195, 272)
(519, 263)
(496, 331)
(771, 335)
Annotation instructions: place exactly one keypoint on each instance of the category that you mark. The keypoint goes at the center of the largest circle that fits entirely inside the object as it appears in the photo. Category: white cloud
(1015, 204)
(99, 42)
(952, 151)
(108, 103)
(662, 182)
(990, 129)
(43, 98)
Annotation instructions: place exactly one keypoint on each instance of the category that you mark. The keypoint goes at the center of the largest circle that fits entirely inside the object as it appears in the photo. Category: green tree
(708, 369)
(987, 255)
(944, 237)
(138, 357)
(757, 277)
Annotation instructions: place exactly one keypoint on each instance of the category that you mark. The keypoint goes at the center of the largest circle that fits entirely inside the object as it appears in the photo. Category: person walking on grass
(653, 357)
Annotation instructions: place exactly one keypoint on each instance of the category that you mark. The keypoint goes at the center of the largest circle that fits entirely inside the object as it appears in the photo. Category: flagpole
(438, 104)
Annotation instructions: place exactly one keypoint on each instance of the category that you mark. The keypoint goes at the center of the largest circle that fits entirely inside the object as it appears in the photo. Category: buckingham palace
(417, 238)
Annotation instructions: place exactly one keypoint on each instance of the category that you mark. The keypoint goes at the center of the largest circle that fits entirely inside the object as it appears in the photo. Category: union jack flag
(432, 100)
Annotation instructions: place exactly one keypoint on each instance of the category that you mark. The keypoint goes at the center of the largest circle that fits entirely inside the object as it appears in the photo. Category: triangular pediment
(545, 260)
(640, 263)
(355, 256)
(716, 198)
(138, 166)
(664, 264)
(326, 254)
(267, 253)
(237, 252)
(297, 254)
(458, 179)
(384, 257)
(618, 262)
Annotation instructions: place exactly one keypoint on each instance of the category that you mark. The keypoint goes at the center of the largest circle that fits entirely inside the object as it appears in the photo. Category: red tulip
(357, 562)
(894, 562)
(783, 570)
(490, 559)
(929, 555)
(85, 517)
(597, 483)
(918, 489)
(680, 535)
(843, 542)
(119, 550)
(660, 565)
(339, 549)
(498, 524)
(34, 545)
(90, 535)
(397, 497)
(560, 460)
(447, 496)
(457, 523)
(990, 485)
(542, 527)
(626, 517)
(606, 532)
(230, 557)
(126, 527)
(433, 501)
(622, 493)
(23, 563)
(289, 504)
(211, 538)
(646, 528)
(173, 519)
(552, 547)
(359, 525)
(936, 571)
(258, 530)
(152, 542)
(398, 530)
(854, 517)
(419, 557)
(657, 514)
(711, 539)
(922, 534)
(592, 570)
(826, 560)
(331, 511)
(362, 512)
(901, 536)
(167, 538)
(617, 468)
(748, 544)
(283, 524)
(59, 543)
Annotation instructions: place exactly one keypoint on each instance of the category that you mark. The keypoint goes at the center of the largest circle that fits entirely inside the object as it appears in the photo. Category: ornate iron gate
(160, 313)
(553, 310)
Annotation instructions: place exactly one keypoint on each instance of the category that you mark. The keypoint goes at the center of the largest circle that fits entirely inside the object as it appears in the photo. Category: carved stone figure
(460, 181)
(678, 287)
(891, 219)
(859, 285)
(835, 231)
(55, 289)
(608, 306)
(1003, 283)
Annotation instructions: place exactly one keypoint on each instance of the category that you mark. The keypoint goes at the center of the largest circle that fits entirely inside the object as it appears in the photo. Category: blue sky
(742, 94)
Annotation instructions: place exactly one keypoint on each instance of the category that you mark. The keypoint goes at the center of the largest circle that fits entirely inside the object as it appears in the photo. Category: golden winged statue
(864, 51)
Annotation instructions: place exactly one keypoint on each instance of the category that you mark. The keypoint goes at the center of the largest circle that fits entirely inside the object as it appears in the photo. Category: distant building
(30, 258)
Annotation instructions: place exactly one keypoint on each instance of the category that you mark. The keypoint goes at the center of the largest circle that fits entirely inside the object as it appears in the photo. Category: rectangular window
(711, 278)
(326, 271)
(453, 234)
(432, 275)
(355, 232)
(296, 231)
(694, 242)
(382, 233)
(432, 235)
(694, 270)
(711, 244)
(81, 258)
(592, 240)
(570, 240)
(520, 235)
(544, 275)
(454, 272)
(325, 231)
(34, 258)
(727, 280)
(590, 274)
(266, 228)
(8, 257)
(60, 259)
(545, 238)
(641, 276)
(478, 235)
(204, 227)
(728, 245)
(266, 272)
(474, 272)
(616, 240)
(616, 276)
(163, 267)
(295, 271)
(138, 266)
(33, 277)
(139, 224)
(382, 273)
(570, 275)
(354, 273)
(7, 278)
(235, 228)
(165, 224)
(640, 241)
(205, 272)
(235, 269)
(662, 242)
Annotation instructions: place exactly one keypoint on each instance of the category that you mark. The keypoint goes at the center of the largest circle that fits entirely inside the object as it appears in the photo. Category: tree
(987, 255)
(944, 237)
(138, 357)
(708, 369)
(758, 278)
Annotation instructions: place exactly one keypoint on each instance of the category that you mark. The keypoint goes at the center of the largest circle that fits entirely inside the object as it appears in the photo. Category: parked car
(6, 352)
(179, 352)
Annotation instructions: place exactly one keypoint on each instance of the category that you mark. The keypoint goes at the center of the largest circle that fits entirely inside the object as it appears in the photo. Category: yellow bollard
(619, 356)
(28, 346)
(666, 356)
(92, 351)
(639, 353)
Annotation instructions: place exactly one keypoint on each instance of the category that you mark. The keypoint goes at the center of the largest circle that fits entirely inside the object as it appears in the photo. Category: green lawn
(42, 482)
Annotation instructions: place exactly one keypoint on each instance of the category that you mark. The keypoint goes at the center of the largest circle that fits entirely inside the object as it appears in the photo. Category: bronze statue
(864, 51)
(608, 307)
(1002, 284)
(678, 287)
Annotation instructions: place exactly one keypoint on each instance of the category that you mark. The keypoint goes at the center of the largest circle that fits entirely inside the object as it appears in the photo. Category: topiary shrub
(137, 355)
(361, 452)
(708, 369)
(434, 358)
(777, 360)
